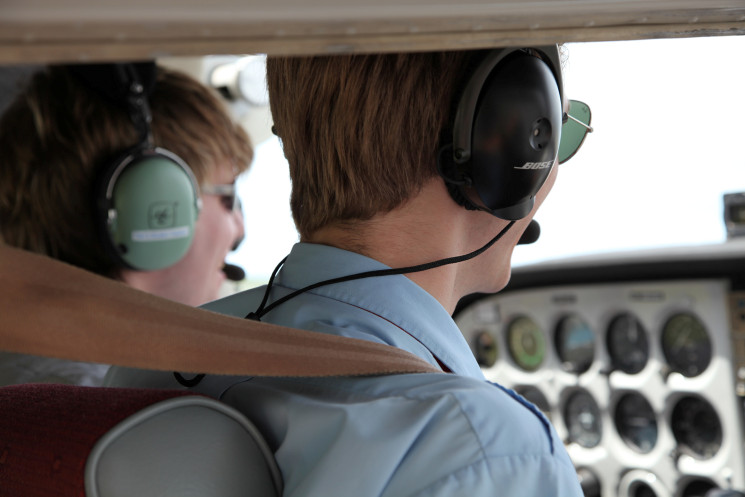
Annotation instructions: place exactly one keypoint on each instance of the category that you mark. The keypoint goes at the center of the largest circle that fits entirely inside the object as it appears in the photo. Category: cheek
(215, 221)
(547, 186)
(213, 231)
(208, 225)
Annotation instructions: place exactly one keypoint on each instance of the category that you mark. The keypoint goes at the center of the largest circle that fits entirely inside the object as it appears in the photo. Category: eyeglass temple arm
(218, 189)
(589, 128)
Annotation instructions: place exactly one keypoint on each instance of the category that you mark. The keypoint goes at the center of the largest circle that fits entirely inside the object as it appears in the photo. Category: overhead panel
(33, 31)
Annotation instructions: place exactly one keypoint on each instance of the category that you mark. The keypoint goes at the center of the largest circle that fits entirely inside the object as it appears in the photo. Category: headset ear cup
(507, 127)
(455, 180)
(151, 207)
(448, 169)
(522, 108)
(457, 194)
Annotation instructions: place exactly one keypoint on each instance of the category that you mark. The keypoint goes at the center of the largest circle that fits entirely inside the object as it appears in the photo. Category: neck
(429, 227)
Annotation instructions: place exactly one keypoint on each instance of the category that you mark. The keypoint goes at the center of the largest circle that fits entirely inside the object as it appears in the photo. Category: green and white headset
(147, 199)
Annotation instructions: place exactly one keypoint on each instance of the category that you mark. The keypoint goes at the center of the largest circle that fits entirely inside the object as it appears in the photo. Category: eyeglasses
(576, 125)
(227, 193)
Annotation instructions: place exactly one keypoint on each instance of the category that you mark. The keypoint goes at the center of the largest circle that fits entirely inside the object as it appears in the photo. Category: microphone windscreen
(233, 272)
(531, 233)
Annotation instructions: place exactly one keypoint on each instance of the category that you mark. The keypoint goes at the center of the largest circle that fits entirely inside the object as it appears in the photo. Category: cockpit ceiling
(35, 31)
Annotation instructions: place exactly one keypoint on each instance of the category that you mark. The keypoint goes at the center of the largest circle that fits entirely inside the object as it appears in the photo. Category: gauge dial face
(485, 349)
(575, 344)
(589, 482)
(582, 418)
(686, 344)
(536, 397)
(696, 427)
(636, 422)
(643, 490)
(526, 343)
(697, 488)
(627, 343)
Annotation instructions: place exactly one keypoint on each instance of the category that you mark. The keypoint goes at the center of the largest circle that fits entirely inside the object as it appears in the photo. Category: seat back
(47, 433)
(63, 440)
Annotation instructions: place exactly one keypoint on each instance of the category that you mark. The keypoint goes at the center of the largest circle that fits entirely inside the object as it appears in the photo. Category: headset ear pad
(515, 137)
(152, 206)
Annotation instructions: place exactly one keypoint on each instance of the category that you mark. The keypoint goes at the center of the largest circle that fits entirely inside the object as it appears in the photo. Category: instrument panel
(642, 379)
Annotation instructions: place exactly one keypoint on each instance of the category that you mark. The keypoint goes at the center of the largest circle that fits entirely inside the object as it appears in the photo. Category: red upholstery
(47, 432)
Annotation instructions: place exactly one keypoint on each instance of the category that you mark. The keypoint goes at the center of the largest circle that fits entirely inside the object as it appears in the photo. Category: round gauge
(641, 483)
(582, 418)
(575, 344)
(686, 344)
(641, 489)
(696, 427)
(589, 482)
(526, 344)
(636, 422)
(485, 349)
(627, 344)
(697, 488)
(535, 397)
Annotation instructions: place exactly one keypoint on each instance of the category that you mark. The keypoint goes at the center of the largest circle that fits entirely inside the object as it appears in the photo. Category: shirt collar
(394, 298)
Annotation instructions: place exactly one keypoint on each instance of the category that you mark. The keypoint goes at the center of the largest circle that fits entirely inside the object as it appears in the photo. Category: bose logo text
(536, 165)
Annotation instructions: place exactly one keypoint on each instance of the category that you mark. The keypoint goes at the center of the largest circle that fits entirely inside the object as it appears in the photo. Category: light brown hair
(57, 136)
(360, 132)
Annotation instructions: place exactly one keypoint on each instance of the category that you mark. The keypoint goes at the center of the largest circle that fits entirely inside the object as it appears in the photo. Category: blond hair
(57, 136)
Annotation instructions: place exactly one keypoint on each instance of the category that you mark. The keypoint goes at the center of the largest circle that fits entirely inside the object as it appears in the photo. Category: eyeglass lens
(227, 194)
(574, 130)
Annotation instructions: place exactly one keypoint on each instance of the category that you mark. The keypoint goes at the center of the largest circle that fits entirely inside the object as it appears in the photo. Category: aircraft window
(636, 422)
(686, 344)
(636, 168)
(627, 344)
(627, 161)
(526, 343)
(582, 417)
(575, 344)
(696, 427)
(265, 193)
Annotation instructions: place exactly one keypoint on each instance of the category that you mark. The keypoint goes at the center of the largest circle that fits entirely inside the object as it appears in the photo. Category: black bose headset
(506, 135)
(147, 198)
(506, 131)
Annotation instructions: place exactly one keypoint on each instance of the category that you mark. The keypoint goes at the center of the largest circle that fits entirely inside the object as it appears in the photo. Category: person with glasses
(57, 136)
(414, 176)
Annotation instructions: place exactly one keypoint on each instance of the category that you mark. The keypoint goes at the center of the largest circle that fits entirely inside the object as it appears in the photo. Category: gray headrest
(183, 447)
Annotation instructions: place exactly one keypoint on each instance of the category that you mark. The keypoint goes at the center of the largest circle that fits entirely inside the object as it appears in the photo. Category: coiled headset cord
(263, 309)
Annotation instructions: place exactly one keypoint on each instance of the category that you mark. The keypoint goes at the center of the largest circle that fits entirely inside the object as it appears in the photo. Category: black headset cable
(263, 309)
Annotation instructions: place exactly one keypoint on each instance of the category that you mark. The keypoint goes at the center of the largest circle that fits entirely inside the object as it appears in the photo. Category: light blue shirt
(402, 435)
